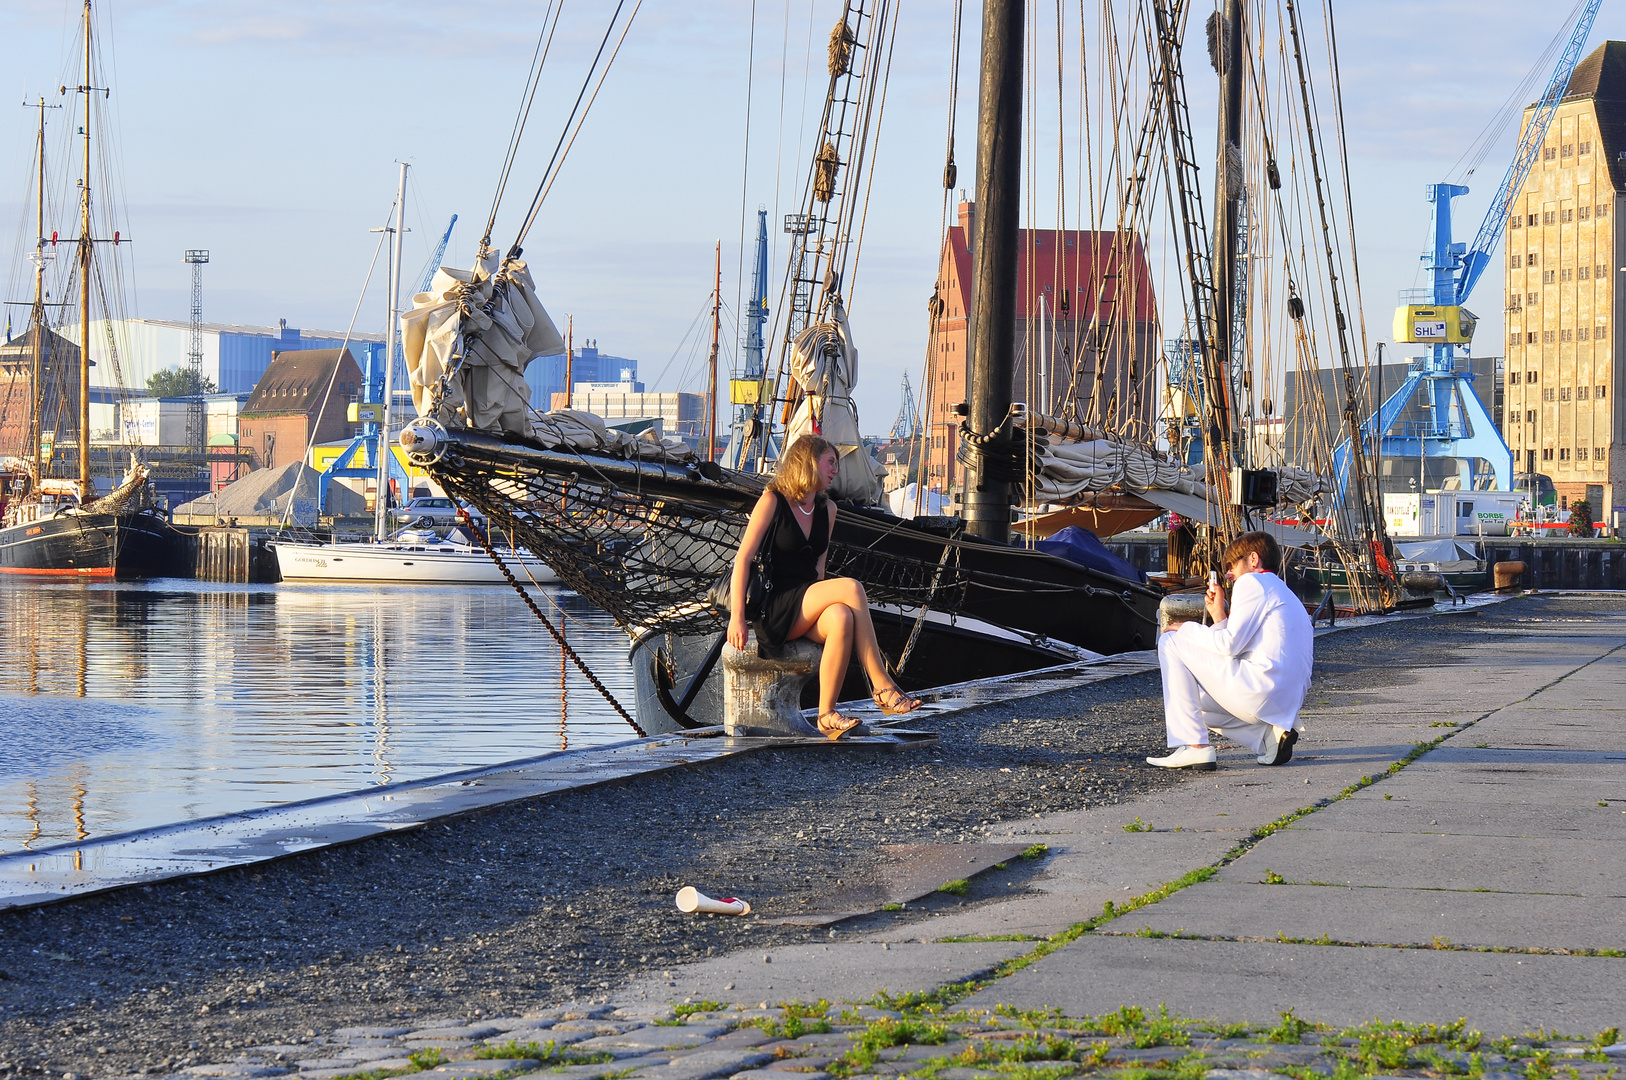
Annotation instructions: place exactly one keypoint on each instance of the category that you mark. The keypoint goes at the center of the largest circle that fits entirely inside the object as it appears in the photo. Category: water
(125, 706)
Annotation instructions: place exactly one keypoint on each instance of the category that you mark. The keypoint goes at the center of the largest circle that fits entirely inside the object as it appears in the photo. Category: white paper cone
(691, 900)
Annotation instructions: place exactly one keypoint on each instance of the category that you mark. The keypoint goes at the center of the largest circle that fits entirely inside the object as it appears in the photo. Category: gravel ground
(566, 897)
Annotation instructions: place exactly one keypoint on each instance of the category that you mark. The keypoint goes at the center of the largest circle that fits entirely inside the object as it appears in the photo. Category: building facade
(1086, 328)
(59, 380)
(234, 356)
(292, 407)
(546, 375)
(1562, 411)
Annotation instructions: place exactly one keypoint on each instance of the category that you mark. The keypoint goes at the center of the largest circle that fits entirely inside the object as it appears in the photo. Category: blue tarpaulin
(1081, 546)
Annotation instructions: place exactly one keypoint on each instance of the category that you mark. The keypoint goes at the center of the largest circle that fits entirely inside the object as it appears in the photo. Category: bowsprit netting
(644, 540)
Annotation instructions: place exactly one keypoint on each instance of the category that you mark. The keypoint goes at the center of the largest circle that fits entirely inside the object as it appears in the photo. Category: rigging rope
(533, 80)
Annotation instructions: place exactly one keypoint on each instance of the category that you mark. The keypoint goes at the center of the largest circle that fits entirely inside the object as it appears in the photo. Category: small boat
(411, 556)
(1456, 561)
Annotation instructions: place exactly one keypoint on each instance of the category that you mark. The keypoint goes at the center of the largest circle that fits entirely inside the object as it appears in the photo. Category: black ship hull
(132, 544)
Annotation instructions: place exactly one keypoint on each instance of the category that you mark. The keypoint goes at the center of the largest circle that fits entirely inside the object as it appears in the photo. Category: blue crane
(751, 391)
(1456, 423)
(371, 411)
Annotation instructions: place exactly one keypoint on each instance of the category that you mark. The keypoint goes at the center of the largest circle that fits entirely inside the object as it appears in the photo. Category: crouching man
(1244, 677)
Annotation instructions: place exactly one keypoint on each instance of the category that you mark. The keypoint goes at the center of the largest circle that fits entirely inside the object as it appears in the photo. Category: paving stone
(833, 1038)
(741, 1037)
(234, 1069)
(810, 1061)
(1242, 1074)
(653, 1038)
(962, 1073)
(779, 1074)
(273, 1049)
(705, 1064)
(369, 1032)
(446, 1046)
(479, 1068)
(575, 1072)
(599, 1027)
(1129, 1055)
(362, 1040)
(464, 1031)
(321, 1064)
(919, 1052)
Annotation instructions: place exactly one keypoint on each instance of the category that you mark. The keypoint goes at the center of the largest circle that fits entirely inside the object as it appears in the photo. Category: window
(1569, 150)
(1598, 454)
(1580, 453)
(1567, 215)
(1585, 147)
(1547, 276)
(1566, 273)
(1532, 298)
(1514, 261)
(1513, 378)
(1546, 453)
(1563, 393)
(1546, 393)
(1602, 210)
(1598, 331)
(1581, 393)
(1566, 335)
(1597, 272)
(1548, 337)
(1549, 217)
(1549, 153)
(1583, 272)
(1517, 222)
(1563, 453)
(1599, 392)
(1530, 416)
(1585, 212)
(1530, 377)
(1530, 337)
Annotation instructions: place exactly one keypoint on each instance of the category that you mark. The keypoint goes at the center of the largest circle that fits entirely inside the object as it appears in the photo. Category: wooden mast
(993, 460)
(711, 385)
(37, 405)
(85, 242)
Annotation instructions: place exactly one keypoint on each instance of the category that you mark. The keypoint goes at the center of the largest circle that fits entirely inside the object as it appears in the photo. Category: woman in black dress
(796, 519)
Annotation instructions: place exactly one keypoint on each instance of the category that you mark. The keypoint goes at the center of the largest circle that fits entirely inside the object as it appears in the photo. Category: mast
(570, 361)
(85, 242)
(993, 463)
(36, 418)
(711, 385)
(385, 451)
(1228, 58)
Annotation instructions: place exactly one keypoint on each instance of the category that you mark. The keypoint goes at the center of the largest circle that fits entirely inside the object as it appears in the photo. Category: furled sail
(824, 363)
(478, 329)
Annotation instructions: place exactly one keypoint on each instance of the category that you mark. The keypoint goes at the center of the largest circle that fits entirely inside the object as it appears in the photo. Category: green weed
(1273, 878)
(1037, 851)
(1290, 1030)
(1138, 825)
(957, 887)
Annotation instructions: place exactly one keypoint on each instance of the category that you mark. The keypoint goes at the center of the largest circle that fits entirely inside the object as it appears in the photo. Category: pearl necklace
(805, 513)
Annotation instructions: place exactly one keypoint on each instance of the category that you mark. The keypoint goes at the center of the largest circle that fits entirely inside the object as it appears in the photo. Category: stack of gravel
(263, 496)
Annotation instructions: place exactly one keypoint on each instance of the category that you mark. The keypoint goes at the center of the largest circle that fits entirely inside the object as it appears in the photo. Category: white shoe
(1278, 746)
(1200, 758)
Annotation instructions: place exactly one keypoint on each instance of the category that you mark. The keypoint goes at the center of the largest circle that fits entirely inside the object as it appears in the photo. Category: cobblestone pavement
(817, 1041)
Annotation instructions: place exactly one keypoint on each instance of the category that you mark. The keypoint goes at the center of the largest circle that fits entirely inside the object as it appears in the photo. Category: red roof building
(1086, 330)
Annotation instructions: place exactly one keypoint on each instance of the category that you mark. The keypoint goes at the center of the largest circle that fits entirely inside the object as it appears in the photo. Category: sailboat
(412, 555)
(56, 525)
(642, 530)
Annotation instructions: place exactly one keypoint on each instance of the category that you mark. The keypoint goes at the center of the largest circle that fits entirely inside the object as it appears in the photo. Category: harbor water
(131, 705)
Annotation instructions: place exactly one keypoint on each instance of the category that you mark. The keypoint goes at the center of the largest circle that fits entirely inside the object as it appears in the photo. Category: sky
(268, 134)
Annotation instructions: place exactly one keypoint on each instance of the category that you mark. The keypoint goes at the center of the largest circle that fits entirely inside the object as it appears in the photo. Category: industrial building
(1086, 316)
(1564, 308)
(547, 374)
(234, 356)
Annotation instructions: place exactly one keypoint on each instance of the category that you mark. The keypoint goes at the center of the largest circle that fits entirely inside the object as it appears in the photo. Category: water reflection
(124, 706)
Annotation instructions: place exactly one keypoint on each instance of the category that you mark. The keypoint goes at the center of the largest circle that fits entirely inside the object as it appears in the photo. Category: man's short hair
(1255, 543)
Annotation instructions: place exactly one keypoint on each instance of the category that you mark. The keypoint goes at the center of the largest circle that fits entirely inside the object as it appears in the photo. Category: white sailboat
(411, 556)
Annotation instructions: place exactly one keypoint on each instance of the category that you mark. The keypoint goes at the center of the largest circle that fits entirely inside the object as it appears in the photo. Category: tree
(178, 382)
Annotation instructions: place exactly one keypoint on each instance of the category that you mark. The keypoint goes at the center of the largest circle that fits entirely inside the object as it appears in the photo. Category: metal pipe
(987, 496)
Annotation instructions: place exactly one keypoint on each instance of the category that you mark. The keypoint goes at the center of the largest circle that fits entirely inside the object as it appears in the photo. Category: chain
(564, 645)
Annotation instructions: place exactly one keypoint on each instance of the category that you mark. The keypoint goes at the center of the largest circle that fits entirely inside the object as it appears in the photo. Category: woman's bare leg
(846, 593)
(834, 631)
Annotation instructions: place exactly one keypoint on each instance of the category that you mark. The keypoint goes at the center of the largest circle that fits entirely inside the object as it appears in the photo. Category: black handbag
(758, 580)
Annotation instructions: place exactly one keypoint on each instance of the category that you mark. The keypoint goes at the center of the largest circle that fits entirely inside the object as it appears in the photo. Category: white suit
(1244, 674)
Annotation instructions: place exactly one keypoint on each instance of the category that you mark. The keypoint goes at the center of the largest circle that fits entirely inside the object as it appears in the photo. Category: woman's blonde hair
(797, 473)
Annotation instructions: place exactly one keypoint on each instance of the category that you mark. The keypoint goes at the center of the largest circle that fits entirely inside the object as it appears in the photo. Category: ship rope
(925, 609)
(564, 646)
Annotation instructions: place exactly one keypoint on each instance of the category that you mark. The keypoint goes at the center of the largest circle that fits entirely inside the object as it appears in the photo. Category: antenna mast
(197, 434)
(386, 452)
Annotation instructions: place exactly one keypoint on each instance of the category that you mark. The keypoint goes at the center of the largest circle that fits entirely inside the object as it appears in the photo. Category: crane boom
(440, 253)
(1535, 133)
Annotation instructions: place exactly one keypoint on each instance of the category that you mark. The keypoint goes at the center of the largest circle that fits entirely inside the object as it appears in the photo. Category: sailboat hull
(136, 544)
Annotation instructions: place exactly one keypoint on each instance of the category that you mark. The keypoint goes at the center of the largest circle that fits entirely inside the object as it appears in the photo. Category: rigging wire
(533, 80)
(561, 149)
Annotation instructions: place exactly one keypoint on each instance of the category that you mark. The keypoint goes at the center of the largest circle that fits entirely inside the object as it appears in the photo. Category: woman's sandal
(833, 725)
(894, 702)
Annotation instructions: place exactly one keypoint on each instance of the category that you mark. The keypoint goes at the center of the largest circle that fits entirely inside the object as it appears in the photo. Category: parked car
(434, 510)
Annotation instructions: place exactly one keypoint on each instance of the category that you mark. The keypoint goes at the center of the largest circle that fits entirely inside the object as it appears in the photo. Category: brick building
(1564, 313)
(1065, 280)
(60, 378)
(292, 407)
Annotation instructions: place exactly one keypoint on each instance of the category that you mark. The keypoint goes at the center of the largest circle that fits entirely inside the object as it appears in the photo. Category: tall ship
(53, 521)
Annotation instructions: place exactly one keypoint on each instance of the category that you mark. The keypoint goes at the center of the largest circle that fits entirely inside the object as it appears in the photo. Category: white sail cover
(824, 363)
(1067, 469)
(492, 313)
